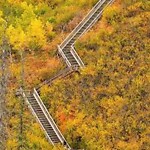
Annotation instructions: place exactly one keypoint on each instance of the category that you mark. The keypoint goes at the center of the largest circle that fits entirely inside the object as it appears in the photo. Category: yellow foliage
(135, 6)
(3, 26)
(15, 70)
(12, 144)
(28, 14)
(128, 145)
(107, 104)
(14, 1)
(1, 13)
(49, 30)
(110, 14)
(90, 70)
(113, 105)
(58, 147)
(16, 37)
(36, 33)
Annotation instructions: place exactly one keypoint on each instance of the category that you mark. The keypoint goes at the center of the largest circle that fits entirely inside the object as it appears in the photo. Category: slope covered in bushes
(106, 105)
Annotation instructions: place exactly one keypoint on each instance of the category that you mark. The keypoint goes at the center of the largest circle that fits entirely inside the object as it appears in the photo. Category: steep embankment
(106, 105)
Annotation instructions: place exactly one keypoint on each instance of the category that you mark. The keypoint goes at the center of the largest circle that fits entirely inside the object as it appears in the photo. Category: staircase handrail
(34, 114)
(76, 56)
(61, 74)
(98, 16)
(49, 117)
(83, 22)
(63, 55)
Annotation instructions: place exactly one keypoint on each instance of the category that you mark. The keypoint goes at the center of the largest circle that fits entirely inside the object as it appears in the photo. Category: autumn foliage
(106, 105)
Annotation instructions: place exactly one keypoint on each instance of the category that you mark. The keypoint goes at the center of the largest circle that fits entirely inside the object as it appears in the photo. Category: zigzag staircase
(73, 61)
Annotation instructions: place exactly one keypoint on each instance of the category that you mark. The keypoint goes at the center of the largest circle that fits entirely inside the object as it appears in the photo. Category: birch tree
(3, 81)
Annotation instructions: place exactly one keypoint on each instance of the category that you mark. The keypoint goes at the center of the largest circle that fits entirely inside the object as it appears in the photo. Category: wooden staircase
(44, 118)
(61, 74)
(66, 47)
(73, 61)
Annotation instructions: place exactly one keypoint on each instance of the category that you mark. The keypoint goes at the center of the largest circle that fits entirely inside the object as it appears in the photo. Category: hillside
(106, 105)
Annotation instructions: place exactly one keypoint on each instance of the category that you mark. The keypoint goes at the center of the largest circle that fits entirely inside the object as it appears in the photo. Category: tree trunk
(3, 85)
